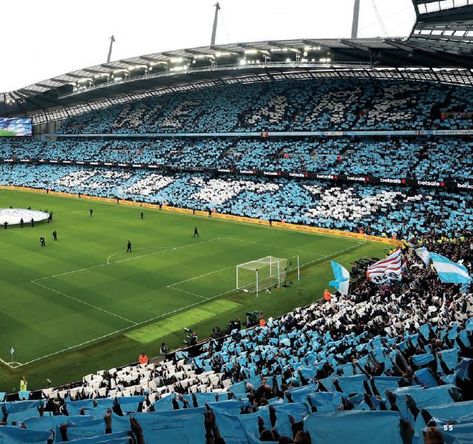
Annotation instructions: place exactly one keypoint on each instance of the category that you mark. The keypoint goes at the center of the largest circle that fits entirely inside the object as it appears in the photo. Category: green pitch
(83, 304)
(4, 133)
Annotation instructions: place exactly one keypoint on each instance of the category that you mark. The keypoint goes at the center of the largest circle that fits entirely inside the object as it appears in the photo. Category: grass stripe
(156, 330)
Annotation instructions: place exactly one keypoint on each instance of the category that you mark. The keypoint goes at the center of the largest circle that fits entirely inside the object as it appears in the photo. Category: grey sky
(44, 38)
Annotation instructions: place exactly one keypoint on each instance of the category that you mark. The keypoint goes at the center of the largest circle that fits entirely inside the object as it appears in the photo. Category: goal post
(261, 274)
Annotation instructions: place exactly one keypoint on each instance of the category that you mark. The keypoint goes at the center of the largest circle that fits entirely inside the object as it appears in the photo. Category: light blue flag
(448, 271)
(342, 278)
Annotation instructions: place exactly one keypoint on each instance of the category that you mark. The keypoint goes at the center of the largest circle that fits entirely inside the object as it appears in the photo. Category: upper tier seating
(298, 105)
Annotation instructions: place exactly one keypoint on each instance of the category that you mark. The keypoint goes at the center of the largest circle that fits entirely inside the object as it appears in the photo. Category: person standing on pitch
(142, 215)
(196, 232)
(91, 212)
(23, 384)
(55, 235)
(128, 247)
(42, 241)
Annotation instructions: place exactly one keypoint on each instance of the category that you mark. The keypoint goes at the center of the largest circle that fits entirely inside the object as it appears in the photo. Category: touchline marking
(122, 330)
(136, 249)
(12, 365)
(200, 275)
(128, 259)
(85, 303)
(335, 253)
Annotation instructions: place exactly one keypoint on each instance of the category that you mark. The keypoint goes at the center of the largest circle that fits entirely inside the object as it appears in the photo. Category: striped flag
(386, 270)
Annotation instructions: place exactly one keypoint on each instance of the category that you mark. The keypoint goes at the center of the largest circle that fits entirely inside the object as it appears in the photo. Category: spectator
(143, 359)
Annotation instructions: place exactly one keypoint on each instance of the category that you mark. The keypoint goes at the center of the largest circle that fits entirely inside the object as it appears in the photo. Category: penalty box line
(128, 259)
(103, 310)
(122, 330)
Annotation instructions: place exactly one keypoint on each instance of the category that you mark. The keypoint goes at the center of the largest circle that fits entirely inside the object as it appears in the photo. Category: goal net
(261, 274)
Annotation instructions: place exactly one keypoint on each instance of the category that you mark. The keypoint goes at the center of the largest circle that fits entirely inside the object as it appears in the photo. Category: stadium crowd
(325, 104)
(373, 209)
(428, 159)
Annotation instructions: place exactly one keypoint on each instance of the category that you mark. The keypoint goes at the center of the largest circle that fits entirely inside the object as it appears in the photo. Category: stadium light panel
(176, 60)
(242, 62)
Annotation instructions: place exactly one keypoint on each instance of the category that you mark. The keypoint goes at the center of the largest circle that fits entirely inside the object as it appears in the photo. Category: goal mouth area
(261, 274)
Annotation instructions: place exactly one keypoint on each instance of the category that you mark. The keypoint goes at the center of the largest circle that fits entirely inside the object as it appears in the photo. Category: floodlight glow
(242, 62)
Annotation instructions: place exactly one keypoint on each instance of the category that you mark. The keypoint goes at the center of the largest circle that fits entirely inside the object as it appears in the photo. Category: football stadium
(264, 241)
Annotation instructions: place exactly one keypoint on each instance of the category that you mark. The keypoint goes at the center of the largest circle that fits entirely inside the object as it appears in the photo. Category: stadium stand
(326, 104)
(380, 210)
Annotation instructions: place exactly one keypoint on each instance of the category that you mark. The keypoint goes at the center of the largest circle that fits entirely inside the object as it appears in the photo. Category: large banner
(16, 127)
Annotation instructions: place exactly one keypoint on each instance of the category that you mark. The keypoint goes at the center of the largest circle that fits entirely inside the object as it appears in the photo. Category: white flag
(424, 254)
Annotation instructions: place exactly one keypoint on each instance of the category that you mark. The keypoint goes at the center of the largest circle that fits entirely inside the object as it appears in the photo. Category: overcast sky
(44, 38)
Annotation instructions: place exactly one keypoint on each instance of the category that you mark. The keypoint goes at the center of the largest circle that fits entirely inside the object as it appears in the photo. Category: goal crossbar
(260, 274)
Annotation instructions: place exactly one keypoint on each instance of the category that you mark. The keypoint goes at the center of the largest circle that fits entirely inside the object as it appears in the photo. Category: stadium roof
(439, 49)
(444, 25)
